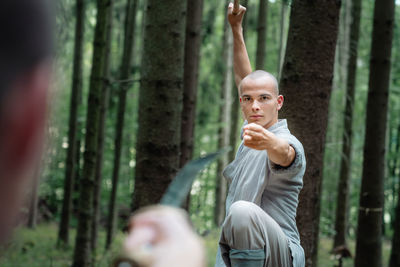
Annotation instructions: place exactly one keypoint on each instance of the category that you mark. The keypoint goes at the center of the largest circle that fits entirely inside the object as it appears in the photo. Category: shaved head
(261, 75)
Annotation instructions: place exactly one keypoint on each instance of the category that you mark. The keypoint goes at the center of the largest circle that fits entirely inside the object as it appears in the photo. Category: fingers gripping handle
(236, 7)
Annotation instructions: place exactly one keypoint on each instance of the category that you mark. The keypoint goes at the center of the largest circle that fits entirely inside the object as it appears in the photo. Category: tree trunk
(392, 173)
(345, 165)
(395, 254)
(190, 78)
(306, 83)
(82, 253)
(125, 74)
(261, 34)
(160, 100)
(282, 43)
(63, 234)
(190, 82)
(33, 203)
(100, 138)
(369, 230)
(224, 119)
(342, 47)
(77, 171)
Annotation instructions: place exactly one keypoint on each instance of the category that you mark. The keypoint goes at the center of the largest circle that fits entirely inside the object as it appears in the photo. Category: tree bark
(160, 100)
(190, 78)
(82, 252)
(369, 230)
(33, 205)
(282, 43)
(100, 138)
(345, 165)
(261, 34)
(395, 253)
(306, 83)
(392, 171)
(63, 233)
(190, 82)
(224, 118)
(125, 74)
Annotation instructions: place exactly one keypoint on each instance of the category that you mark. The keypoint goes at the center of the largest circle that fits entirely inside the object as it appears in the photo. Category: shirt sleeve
(299, 161)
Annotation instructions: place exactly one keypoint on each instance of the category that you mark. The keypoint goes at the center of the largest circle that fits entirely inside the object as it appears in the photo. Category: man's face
(260, 102)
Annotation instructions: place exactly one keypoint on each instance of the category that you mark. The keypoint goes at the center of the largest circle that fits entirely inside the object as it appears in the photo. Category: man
(25, 51)
(25, 66)
(265, 177)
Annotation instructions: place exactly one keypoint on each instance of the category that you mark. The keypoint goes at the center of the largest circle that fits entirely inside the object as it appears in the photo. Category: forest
(142, 87)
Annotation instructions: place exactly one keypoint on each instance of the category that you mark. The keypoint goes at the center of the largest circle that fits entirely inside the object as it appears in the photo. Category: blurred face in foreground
(25, 54)
(259, 100)
(22, 119)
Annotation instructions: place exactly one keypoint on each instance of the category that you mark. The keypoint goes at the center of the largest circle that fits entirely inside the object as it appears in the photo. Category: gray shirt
(254, 178)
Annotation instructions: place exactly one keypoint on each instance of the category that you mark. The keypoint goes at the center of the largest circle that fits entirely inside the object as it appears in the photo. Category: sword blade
(182, 183)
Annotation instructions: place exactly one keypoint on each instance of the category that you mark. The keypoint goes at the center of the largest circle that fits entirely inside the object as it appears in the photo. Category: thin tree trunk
(395, 253)
(77, 172)
(160, 100)
(306, 83)
(261, 34)
(281, 56)
(100, 138)
(63, 234)
(33, 203)
(369, 229)
(345, 165)
(190, 81)
(125, 74)
(392, 175)
(224, 118)
(82, 252)
(342, 48)
(190, 78)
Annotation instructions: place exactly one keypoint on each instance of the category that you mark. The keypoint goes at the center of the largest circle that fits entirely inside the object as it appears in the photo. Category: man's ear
(280, 102)
(22, 120)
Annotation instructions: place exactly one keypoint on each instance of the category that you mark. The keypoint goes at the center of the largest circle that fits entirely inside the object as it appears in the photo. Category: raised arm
(241, 62)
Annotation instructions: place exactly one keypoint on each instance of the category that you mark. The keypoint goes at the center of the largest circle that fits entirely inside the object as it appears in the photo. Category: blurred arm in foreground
(161, 236)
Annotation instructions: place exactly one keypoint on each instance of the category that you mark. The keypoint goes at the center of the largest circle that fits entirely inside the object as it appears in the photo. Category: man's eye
(263, 99)
(246, 99)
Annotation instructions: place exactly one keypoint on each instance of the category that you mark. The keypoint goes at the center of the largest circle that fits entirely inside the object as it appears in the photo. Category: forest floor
(36, 248)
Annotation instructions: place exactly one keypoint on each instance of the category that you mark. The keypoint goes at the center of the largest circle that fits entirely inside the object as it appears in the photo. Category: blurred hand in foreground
(161, 236)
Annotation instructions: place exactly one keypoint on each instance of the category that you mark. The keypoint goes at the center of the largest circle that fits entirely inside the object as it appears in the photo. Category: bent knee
(241, 213)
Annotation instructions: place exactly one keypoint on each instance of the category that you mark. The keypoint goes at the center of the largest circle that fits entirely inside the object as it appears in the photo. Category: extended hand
(256, 136)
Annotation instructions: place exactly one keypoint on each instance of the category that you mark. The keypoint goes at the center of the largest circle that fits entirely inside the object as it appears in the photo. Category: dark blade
(182, 183)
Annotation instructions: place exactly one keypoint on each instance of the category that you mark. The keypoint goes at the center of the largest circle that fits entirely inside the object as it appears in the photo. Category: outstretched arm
(241, 62)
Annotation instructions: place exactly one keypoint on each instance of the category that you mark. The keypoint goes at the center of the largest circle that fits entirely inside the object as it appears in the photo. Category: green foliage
(36, 248)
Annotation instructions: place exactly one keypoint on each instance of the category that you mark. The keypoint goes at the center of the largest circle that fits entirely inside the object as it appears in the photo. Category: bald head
(261, 75)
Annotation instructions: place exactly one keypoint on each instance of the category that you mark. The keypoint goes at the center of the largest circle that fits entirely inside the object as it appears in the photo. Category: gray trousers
(250, 237)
